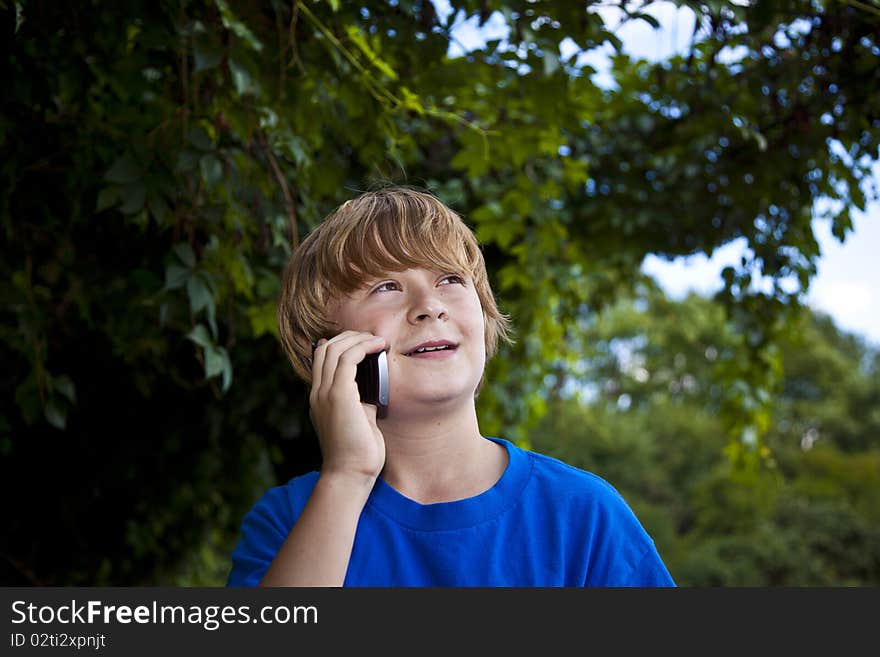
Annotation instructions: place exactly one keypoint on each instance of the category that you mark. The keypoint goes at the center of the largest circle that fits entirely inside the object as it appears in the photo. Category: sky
(847, 284)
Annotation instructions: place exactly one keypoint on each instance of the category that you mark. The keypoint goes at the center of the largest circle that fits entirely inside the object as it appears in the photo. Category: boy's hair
(391, 229)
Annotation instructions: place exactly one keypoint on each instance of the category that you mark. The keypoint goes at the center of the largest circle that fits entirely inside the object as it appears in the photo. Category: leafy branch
(410, 100)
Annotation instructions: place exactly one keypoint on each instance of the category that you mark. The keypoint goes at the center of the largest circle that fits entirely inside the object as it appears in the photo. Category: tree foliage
(804, 514)
(161, 160)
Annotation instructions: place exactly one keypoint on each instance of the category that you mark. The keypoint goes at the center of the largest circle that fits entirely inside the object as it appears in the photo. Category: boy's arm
(318, 548)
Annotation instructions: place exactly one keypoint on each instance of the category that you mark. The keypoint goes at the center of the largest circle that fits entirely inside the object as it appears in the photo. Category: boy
(420, 497)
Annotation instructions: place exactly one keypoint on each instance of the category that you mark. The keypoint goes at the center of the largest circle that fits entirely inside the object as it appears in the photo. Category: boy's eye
(392, 285)
(384, 286)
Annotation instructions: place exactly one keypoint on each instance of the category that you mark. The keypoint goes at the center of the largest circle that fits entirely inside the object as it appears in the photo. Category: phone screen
(372, 381)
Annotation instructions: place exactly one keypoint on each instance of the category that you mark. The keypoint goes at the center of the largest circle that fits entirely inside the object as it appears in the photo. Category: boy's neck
(441, 461)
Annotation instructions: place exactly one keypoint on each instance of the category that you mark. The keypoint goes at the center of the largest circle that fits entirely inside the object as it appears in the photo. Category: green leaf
(227, 372)
(212, 322)
(513, 275)
(211, 169)
(217, 363)
(240, 272)
(215, 360)
(200, 138)
(653, 22)
(107, 197)
(354, 33)
(200, 336)
(241, 78)
(207, 55)
(186, 254)
(574, 173)
(296, 147)
(124, 170)
(263, 319)
(728, 274)
(841, 224)
(472, 157)
(186, 161)
(55, 416)
(411, 101)
(159, 208)
(234, 25)
(199, 295)
(616, 43)
(64, 385)
(133, 197)
(175, 277)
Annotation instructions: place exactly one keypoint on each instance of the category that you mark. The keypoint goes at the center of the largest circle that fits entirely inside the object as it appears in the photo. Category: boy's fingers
(346, 355)
(329, 354)
(348, 360)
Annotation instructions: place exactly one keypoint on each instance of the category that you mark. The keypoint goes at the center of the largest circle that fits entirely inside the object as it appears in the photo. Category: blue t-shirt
(544, 523)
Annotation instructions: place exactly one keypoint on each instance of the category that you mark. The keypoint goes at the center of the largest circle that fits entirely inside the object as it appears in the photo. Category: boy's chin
(421, 399)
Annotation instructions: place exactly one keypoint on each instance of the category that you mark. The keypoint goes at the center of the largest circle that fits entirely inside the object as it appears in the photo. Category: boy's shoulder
(592, 507)
(554, 468)
(563, 481)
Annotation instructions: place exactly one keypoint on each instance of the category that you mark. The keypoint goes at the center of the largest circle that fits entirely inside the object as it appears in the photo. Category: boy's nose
(428, 306)
(441, 314)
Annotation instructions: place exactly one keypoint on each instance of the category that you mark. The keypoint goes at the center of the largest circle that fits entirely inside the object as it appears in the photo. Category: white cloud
(848, 301)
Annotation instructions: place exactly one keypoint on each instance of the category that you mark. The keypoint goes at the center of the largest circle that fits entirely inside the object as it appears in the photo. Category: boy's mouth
(432, 347)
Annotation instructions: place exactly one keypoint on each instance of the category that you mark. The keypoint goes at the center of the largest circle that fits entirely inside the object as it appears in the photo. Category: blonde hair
(387, 230)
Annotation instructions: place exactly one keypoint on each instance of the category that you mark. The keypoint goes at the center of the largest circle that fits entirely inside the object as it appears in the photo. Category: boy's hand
(351, 443)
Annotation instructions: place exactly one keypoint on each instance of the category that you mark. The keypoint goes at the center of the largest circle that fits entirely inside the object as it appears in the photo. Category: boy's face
(410, 308)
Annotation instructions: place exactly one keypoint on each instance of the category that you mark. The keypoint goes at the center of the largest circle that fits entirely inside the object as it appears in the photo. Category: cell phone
(372, 381)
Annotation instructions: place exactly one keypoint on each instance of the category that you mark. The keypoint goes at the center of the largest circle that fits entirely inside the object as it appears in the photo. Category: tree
(162, 160)
(802, 511)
